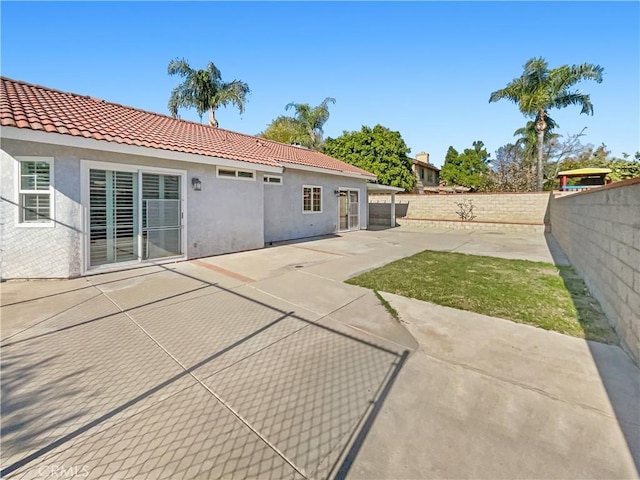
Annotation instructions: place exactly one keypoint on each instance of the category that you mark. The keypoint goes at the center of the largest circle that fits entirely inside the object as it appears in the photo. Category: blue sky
(425, 69)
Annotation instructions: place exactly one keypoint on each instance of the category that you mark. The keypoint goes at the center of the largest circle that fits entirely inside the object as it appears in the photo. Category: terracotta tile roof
(24, 105)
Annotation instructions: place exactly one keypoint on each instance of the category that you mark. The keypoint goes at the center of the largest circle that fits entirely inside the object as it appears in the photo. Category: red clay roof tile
(24, 105)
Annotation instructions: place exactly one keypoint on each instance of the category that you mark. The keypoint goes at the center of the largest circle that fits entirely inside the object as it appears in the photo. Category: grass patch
(392, 311)
(535, 293)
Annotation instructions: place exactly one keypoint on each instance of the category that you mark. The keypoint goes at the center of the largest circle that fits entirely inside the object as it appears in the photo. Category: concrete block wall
(599, 231)
(460, 225)
(506, 208)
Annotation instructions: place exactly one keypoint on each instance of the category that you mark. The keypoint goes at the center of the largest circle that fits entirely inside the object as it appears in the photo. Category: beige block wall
(599, 231)
(523, 208)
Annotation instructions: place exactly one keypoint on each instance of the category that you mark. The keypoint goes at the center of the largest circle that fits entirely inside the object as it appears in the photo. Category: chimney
(423, 157)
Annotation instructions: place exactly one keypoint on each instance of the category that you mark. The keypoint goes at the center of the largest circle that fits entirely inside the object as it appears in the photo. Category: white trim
(85, 167)
(375, 188)
(308, 212)
(53, 138)
(51, 223)
(236, 171)
(295, 166)
(265, 180)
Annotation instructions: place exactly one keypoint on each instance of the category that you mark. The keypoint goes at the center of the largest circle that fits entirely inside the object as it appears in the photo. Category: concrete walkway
(263, 364)
(487, 398)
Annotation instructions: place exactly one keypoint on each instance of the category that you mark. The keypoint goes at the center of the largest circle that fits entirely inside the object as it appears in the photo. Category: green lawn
(540, 294)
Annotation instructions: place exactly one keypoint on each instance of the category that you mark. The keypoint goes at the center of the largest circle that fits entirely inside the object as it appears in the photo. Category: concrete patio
(263, 364)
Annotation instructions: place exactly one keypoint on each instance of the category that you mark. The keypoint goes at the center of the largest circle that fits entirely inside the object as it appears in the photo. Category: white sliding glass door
(133, 216)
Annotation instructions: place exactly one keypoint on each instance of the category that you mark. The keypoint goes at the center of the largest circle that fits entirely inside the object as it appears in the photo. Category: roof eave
(54, 138)
(329, 171)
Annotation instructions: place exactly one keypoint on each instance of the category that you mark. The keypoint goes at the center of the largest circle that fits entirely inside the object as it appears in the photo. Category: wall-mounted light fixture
(196, 184)
(339, 193)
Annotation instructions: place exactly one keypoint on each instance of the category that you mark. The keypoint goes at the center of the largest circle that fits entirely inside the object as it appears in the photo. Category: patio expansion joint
(523, 386)
(223, 271)
(189, 372)
(4, 340)
(302, 270)
(318, 250)
(373, 335)
(320, 314)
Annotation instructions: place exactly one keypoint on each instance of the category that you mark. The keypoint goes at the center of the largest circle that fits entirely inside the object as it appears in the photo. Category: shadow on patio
(195, 379)
(618, 373)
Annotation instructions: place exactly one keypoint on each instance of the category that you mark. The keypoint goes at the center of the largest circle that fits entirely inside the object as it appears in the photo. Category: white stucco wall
(40, 252)
(226, 216)
(284, 219)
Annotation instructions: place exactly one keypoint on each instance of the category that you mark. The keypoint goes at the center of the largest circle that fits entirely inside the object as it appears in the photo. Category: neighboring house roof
(28, 106)
(426, 165)
(580, 172)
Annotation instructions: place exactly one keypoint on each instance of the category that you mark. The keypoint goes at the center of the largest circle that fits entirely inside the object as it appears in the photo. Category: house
(90, 186)
(427, 175)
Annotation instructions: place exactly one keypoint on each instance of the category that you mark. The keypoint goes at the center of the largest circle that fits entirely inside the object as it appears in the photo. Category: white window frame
(306, 212)
(266, 179)
(50, 223)
(236, 171)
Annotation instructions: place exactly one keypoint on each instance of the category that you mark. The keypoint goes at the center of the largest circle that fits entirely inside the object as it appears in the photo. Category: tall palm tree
(540, 89)
(204, 90)
(312, 119)
(526, 145)
(527, 139)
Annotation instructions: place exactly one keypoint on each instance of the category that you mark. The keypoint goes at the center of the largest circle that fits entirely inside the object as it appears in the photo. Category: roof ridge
(95, 99)
(184, 135)
(101, 100)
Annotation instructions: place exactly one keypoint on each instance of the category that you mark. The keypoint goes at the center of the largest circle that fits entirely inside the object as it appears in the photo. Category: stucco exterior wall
(40, 252)
(283, 216)
(226, 216)
(599, 231)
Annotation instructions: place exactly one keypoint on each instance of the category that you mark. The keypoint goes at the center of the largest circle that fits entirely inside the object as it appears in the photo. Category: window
(273, 179)
(311, 199)
(35, 190)
(233, 173)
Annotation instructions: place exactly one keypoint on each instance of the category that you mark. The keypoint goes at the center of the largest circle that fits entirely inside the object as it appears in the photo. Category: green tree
(539, 89)
(468, 169)
(304, 128)
(204, 90)
(377, 150)
(621, 168)
(286, 130)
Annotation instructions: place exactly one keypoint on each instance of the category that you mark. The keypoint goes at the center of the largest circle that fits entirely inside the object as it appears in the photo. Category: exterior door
(348, 208)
